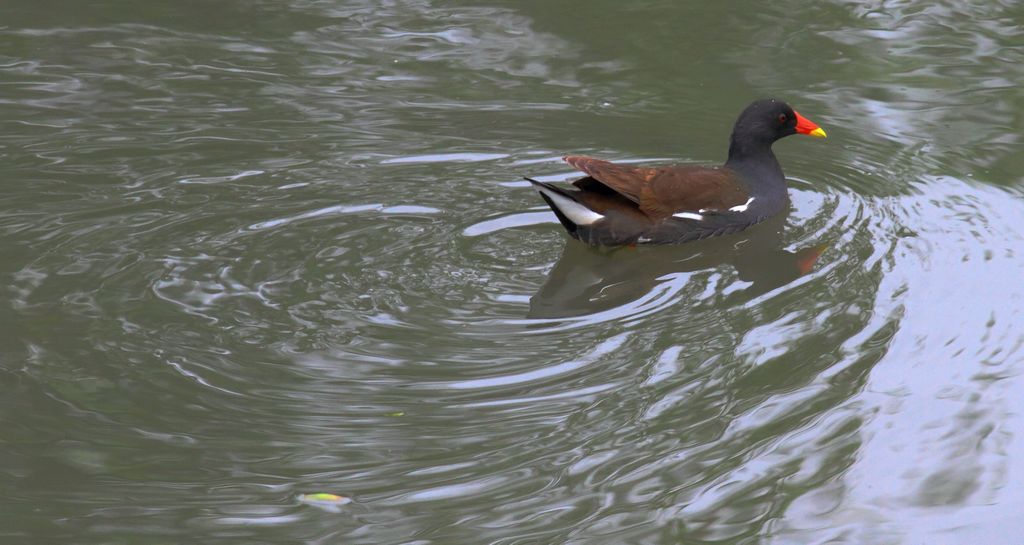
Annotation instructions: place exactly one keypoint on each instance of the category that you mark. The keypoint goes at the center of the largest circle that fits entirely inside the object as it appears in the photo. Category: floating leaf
(396, 413)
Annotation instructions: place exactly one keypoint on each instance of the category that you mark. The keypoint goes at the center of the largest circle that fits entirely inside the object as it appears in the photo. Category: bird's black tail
(566, 206)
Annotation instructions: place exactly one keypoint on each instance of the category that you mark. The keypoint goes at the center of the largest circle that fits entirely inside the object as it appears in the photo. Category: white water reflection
(344, 209)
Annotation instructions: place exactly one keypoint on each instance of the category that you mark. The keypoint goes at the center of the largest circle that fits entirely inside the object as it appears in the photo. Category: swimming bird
(616, 204)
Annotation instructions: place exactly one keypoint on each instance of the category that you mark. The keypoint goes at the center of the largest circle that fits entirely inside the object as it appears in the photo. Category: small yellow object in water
(322, 500)
(325, 497)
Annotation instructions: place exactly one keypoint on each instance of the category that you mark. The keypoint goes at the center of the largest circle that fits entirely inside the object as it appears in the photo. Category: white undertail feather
(688, 216)
(576, 212)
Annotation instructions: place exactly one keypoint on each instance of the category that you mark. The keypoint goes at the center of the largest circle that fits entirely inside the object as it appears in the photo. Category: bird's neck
(755, 160)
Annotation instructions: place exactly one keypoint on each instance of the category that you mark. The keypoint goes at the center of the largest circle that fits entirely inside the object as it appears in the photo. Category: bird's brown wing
(625, 180)
(691, 189)
(663, 191)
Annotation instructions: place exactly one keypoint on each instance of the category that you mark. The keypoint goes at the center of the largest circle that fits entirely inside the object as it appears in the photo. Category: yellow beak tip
(818, 133)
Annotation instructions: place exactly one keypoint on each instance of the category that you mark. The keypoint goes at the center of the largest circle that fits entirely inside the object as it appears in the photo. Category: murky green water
(256, 249)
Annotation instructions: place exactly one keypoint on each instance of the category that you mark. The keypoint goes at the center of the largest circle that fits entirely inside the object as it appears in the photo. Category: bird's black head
(767, 120)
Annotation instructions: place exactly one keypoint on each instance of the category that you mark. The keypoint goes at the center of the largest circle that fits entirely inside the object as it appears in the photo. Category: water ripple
(295, 255)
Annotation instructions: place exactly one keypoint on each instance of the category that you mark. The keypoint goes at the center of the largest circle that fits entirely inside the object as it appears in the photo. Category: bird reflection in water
(587, 280)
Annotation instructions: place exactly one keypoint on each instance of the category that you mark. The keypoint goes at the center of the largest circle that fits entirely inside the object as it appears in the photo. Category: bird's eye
(782, 119)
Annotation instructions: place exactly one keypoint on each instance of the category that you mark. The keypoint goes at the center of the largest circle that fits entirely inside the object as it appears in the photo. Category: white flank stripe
(579, 214)
(688, 216)
(742, 207)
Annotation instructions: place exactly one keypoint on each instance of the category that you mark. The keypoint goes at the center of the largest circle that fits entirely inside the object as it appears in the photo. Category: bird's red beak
(808, 127)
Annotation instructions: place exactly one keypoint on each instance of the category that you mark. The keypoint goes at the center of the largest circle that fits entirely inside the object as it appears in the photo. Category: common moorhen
(620, 204)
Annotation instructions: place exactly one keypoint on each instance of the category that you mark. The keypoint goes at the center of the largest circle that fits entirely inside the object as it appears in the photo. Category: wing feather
(662, 191)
